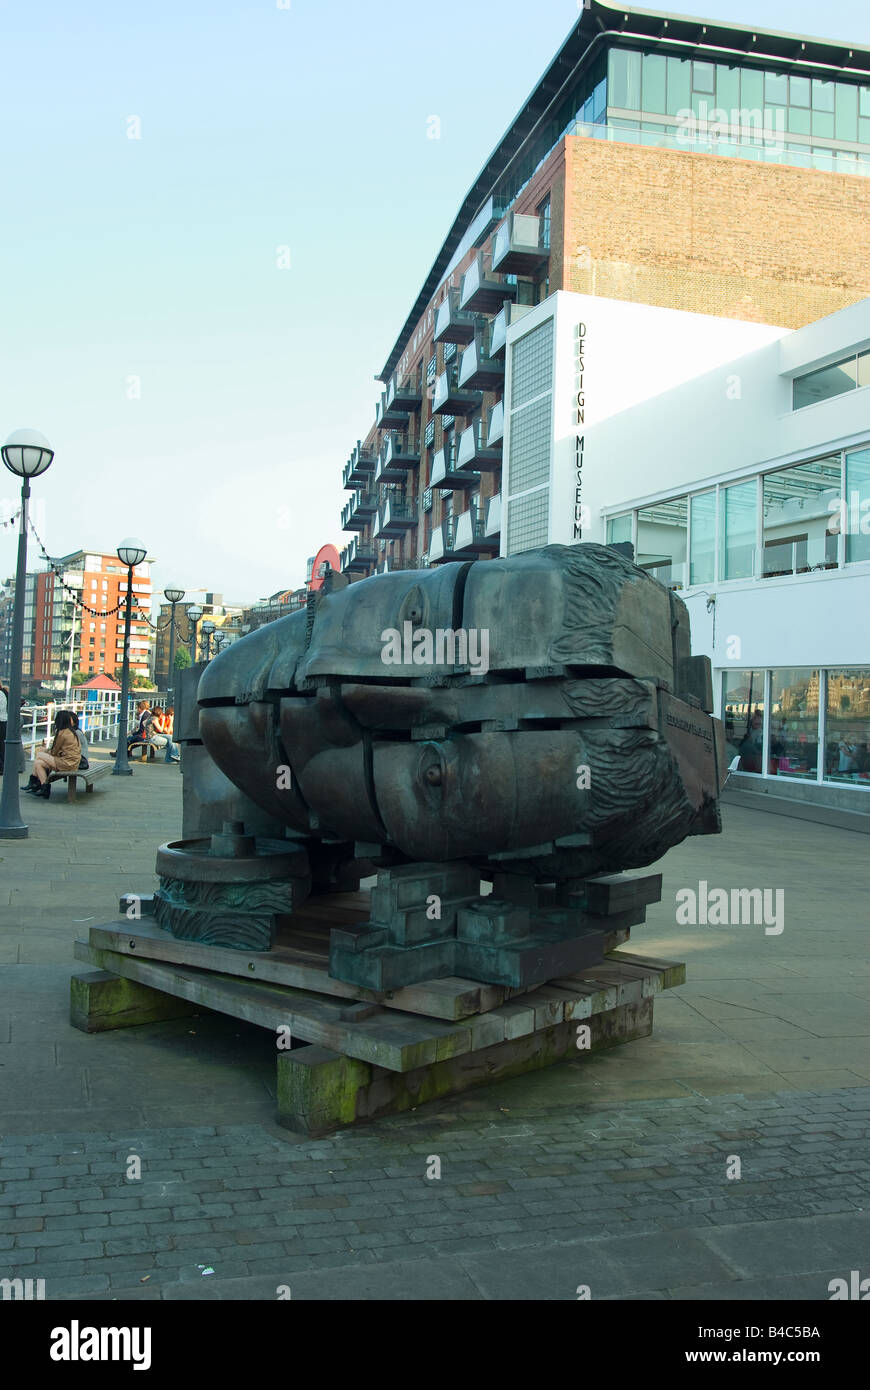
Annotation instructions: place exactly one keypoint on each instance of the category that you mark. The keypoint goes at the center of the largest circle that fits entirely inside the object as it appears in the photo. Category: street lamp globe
(208, 627)
(131, 552)
(173, 593)
(194, 612)
(27, 453)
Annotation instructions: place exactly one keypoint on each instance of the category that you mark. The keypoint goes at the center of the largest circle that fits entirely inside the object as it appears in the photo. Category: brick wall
(715, 235)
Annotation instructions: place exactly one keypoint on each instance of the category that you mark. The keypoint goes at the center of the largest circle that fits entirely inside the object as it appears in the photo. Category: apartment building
(61, 635)
(688, 165)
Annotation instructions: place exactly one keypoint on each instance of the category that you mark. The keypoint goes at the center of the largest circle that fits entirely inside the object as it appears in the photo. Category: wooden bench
(148, 747)
(88, 775)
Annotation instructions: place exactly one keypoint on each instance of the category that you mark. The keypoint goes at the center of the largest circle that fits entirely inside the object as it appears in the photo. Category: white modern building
(735, 459)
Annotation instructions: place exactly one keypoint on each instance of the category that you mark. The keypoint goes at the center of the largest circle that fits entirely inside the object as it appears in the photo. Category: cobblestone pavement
(632, 1202)
(610, 1171)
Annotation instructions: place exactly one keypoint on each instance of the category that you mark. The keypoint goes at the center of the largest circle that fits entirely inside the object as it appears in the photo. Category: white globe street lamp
(27, 454)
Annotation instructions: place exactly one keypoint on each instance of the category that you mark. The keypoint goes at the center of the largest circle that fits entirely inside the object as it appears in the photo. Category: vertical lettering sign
(579, 412)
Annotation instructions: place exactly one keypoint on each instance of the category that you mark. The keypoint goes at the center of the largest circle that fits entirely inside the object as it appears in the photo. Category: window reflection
(738, 531)
(661, 541)
(847, 727)
(801, 522)
(743, 716)
(794, 723)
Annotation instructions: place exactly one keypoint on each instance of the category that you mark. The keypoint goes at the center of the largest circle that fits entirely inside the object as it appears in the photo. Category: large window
(855, 506)
(847, 727)
(712, 536)
(738, 530)
(800, 524)
(702, 561)
(661, 541)
(794, 723)
(743, 717)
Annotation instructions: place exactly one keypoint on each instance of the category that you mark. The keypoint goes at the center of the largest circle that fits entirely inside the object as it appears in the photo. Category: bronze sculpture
(532, 722)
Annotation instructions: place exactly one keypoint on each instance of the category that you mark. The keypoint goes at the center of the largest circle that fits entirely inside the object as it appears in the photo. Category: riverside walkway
(610, 1171)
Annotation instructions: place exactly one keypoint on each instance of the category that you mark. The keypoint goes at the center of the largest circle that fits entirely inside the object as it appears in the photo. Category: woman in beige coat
(64, 755)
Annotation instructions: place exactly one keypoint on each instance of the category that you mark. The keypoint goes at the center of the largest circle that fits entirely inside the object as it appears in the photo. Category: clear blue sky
(155, 258)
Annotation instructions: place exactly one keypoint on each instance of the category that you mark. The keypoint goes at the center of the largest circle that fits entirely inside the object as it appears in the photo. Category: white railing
(97, 721)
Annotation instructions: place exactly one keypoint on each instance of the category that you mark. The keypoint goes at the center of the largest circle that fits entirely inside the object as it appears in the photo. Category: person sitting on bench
(161, 735)
(143, 730)
(83, 741)
(64, 755)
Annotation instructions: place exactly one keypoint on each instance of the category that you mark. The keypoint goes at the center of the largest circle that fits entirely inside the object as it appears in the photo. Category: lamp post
(208, 628)
(131, 553)
(173, 594)
(194, 613)
(27, 454)
(219, 641)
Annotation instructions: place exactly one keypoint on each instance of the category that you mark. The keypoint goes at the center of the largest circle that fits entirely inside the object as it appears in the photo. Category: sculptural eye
(433, 775)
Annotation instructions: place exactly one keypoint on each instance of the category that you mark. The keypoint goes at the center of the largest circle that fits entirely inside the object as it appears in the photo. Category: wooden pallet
(356, 1054)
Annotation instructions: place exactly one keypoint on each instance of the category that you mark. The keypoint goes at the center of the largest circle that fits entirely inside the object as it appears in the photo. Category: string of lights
(70, 589)
(12, 520)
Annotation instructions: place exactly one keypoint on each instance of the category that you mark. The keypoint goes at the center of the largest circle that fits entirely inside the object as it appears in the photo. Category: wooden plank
(449, 998)
(396, 1041)
(519, 1020)
(319, 1091)
(670, 972)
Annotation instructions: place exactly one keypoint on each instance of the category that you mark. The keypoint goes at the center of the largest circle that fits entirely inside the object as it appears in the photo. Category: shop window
(661, 541)
(743, 717)
(847, 727)
(739, 509)
(794, 723)
(801, 526)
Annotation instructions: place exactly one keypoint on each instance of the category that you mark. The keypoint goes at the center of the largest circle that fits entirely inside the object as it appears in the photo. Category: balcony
(509, 313)
(478, 369)
(446, 472)
(360, 466)
(492, 529)
(389, 566)
(481, 293)
(389, 416)
(406, 398)
(359, 511)
(441, 546)
(452, 324)
(397, 456)
(398, 515)
(358, 555)
(474, 452)
(521, 244)
(470, 536)
(452, 399)
(495, 426)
